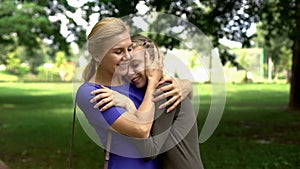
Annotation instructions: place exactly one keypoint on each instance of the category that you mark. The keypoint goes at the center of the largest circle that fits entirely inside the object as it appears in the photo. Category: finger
(101, 90)
(166, 88)
(156, 62)
(157, 92)
(105, 87)
(102, 102)
(162, 81)
(168, 103)
(100, 97)
(175, 104)
(171, 93)
(107, 106)
(97, 91)
(161, 55)
(166, 93)
(161, 63)
(168, 79)
(147, 59)
(97, 105)
(158, 98)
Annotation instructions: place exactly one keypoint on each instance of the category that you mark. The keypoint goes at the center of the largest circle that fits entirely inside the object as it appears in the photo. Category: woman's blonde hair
(100, 34)
(146, 43)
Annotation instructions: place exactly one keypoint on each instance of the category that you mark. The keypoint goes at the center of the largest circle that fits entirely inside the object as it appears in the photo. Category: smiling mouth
(135, 79)
(123, 64)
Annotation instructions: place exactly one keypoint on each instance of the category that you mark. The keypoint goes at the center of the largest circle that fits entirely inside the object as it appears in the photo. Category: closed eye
(118, 52)
(135, 64)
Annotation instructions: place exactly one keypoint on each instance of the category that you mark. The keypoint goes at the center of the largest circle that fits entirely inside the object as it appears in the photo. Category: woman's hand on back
(177, 90)
(110, 98)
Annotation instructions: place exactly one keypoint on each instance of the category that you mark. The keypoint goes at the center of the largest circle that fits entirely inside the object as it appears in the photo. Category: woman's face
(136, 70)
(116, 60)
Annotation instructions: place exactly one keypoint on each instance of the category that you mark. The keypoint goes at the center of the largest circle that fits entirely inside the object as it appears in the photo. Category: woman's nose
(130, 72)
(127, 56)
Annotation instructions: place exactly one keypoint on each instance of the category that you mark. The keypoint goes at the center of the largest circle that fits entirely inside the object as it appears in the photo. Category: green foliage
(24, 19)
(22, 70)
(281, 18)
(226, 56)
(29, 26)
(278, 18)
(28, 21)
(13, 62)
(278, 47)
(47, 74)
(63, 68)
(193, 61)
(285, 58)
(217, 19)
(60, 59)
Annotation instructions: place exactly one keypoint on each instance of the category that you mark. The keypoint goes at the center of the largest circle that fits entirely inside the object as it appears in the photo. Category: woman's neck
(106, 79)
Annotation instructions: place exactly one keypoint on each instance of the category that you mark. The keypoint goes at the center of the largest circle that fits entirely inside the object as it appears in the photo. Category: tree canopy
(28, 23)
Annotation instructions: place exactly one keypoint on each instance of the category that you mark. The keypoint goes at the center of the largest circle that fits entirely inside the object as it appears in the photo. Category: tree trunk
(288, 76)
(294, 104)
(276, 74)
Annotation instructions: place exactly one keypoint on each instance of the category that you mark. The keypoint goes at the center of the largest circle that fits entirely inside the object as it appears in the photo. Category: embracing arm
(177, 90)
(138, 124)
(160, 131)
(116, 118)
(161, 126)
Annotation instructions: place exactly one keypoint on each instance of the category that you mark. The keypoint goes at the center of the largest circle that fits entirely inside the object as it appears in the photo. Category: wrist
(153, 80)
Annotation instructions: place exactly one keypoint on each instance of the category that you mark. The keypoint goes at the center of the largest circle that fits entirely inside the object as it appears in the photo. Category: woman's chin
(121, 72)
(139, 84)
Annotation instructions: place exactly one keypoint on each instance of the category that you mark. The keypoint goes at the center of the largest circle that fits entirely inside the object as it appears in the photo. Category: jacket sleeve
(150, 148)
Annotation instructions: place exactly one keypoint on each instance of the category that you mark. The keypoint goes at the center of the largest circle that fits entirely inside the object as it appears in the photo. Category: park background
(40, 41)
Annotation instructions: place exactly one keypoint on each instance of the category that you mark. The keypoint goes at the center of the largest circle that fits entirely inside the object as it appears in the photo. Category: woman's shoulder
(85, 89)
(88, 86)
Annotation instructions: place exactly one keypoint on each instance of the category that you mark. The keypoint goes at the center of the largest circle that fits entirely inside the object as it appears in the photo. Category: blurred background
(257, 41)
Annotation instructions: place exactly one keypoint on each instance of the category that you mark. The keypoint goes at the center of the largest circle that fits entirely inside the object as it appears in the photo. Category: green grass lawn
(256, 130)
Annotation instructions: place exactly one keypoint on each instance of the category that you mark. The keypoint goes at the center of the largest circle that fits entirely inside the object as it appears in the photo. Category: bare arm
(160, 128)
(138, 124)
